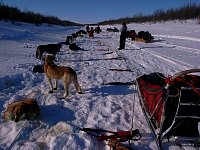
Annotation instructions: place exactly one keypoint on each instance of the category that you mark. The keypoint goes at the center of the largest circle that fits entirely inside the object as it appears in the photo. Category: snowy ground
(176, 48)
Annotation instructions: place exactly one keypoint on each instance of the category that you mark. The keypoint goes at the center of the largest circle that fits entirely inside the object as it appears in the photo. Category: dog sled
(144, 36)
(172, 106)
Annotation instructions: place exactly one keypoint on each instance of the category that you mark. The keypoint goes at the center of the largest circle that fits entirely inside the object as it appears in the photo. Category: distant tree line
(14, 15)
(185, 12)
(189, 11)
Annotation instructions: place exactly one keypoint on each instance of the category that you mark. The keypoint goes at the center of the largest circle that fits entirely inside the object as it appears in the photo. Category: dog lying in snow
(22, 109)
(74, 47)
(68, 40)
(67, 74)
(74, 36)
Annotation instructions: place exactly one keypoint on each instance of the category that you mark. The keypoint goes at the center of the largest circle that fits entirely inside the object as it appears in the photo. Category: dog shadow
(52, 114)
(112, 90)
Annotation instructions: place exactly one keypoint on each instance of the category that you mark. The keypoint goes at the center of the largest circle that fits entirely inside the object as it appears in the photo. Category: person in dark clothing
(123, 36)
(97, 29)
(91, 33)
(87, 28)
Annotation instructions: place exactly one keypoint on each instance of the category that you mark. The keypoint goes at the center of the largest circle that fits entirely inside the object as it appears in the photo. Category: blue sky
(93, 11)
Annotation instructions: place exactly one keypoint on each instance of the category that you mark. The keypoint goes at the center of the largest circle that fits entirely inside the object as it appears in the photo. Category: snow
(176, 48)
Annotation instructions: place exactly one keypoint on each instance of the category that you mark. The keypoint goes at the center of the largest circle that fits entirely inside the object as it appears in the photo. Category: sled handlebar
(182, 73)
(185, 72)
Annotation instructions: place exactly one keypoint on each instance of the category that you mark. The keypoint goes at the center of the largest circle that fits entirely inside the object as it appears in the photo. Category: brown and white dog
(22, 109)
(67, 74)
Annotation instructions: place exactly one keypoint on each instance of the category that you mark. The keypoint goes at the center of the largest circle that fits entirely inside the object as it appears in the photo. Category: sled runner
(172, 106)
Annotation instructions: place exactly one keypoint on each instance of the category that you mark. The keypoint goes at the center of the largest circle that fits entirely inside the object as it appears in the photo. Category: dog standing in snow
(49, 48)
(67, 74)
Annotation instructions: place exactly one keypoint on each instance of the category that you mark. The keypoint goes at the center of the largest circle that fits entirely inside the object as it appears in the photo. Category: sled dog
(74, 47)
(49, 48)
(22, 109)
(67, 74)
(38, 69)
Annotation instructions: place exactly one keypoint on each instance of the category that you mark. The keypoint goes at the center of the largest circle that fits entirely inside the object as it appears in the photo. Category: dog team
(54, 72)
(28, 108)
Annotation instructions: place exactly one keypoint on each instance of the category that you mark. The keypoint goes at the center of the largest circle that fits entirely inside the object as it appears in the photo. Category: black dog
(49, 48)
(74, 47)
(38, 69)
(74, 36)
(68, 40)
(81, 32)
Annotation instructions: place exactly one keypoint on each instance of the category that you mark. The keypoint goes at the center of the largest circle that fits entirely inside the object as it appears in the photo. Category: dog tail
(76, 83)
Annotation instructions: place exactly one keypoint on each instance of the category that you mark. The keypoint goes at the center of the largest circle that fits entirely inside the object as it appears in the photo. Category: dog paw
(80, 92)
(50, 91)
(55, 89)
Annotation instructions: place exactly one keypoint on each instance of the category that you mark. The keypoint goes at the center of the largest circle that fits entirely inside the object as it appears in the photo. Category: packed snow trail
(92, 66)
